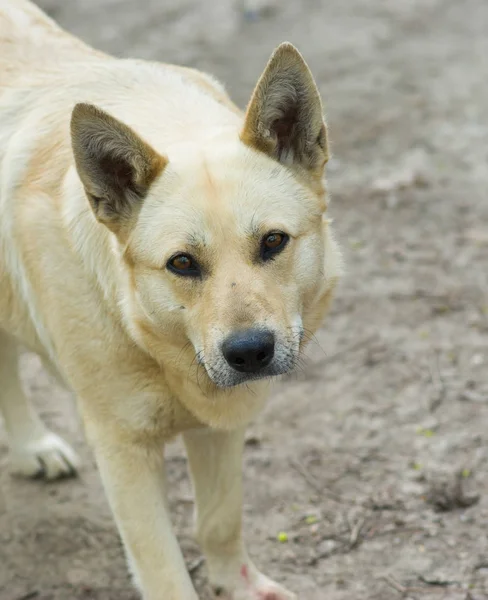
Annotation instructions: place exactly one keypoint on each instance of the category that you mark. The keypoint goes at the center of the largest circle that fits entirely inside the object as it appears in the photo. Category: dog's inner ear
(284, 117)
(114, 164)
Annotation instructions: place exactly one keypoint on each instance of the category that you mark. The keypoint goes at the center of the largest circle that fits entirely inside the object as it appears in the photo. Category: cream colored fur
(165, 164)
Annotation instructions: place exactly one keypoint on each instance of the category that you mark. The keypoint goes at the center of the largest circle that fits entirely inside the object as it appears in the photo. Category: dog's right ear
(114, 164)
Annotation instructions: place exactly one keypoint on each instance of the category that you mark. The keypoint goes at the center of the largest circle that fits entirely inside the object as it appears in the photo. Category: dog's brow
(253, 230)
(196, 240)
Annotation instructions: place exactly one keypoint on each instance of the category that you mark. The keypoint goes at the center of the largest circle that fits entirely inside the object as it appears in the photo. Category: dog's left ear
(114, 164)
(284, 117)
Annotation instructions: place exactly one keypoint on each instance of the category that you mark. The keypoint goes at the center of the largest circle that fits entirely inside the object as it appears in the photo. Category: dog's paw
(268, 592)
(48, 457)
(254, 587)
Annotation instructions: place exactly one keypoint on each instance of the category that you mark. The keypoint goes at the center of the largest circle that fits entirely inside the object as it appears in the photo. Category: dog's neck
(93, 243)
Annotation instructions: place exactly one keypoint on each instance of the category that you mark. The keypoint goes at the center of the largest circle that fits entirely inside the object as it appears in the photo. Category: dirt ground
(374, 458)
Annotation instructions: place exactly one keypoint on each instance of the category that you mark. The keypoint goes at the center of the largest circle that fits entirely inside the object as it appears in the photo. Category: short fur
(108, 168)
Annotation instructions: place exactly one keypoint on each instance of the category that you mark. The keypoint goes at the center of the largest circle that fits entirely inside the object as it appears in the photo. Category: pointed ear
(284, 117)
(114, 164)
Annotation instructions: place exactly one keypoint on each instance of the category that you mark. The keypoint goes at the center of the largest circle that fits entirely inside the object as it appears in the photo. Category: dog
(166, 255)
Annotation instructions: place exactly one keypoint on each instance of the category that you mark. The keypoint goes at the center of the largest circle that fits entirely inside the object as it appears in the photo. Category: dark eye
(183, 264)
(272, 243)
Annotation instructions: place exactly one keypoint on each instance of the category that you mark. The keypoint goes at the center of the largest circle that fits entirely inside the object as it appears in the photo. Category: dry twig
(396, 585)
(439, 386)
(321, 490)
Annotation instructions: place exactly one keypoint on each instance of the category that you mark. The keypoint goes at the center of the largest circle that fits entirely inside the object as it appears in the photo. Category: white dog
(164, 254)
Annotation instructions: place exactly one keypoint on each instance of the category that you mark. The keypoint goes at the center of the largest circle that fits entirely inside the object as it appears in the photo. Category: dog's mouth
(227, 378)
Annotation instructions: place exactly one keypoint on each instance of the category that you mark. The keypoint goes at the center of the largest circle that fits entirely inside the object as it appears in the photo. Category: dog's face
(227, 252)
(228, 249)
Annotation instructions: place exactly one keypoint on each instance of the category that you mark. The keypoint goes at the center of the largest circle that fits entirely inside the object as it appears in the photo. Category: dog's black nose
(249, 351)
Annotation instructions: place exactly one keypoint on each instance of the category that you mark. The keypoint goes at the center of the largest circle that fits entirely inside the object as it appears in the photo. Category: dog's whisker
(182, 351)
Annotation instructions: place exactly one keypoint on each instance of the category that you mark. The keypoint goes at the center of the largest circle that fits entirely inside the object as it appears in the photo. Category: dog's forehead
(230, 182)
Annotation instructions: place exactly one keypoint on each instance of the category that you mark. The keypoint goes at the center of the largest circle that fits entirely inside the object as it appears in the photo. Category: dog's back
(30, 40)
(33, 50)
(30, 43)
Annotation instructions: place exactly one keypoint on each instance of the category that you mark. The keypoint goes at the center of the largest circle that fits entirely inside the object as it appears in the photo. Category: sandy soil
(373, 460)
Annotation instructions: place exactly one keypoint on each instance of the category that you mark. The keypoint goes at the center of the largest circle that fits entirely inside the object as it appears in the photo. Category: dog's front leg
(133, 477)
(216, 463)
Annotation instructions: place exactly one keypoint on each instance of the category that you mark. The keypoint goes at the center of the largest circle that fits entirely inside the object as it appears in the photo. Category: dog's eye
(183, 264)
(272, 243)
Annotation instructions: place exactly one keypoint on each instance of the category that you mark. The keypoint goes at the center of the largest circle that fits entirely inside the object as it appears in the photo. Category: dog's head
(227, 254)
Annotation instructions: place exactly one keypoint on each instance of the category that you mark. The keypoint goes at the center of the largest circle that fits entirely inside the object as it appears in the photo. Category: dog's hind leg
(216, 461)
(34, 450)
